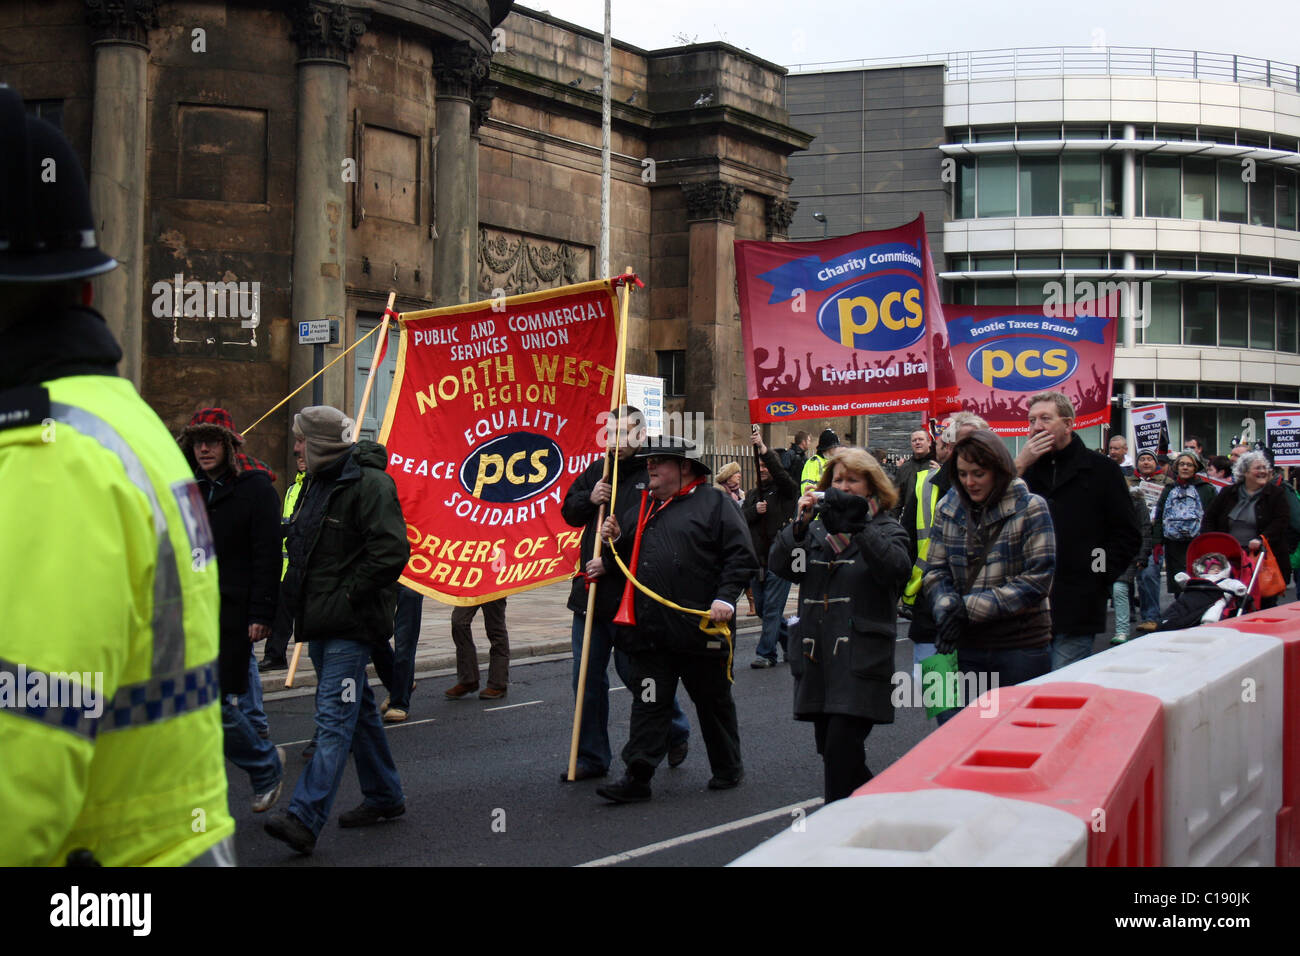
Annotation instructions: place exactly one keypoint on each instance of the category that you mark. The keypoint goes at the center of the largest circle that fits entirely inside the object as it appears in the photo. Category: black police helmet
(47, 231)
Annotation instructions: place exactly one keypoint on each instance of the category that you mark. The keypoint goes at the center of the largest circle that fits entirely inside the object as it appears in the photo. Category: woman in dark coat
(851, 565)
(1253, 507)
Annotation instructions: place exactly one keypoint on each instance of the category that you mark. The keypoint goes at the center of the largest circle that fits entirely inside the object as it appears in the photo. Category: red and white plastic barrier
(932, 828)
(1181, 748)
(1283, 624)
(1093, 752)
(1222, 696)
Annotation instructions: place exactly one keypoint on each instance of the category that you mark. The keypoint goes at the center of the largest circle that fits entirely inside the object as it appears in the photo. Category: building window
(49, 110)
(1286, 199)
(1232, 316)
(1199, 315)
(672, 369)
(1198, 189)
(1232, 193)
(1165, 322)
(1286, 321)
(1040, 183)
(996, 292)
(997, 186)
(1262, 324)
(1113, 183)
(964, 195)
(1261, 197)
(1162, 187)
(1081, 184)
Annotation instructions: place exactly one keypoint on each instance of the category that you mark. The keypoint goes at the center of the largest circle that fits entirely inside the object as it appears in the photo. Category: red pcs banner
(843, 326)
(1006, 354)
(496, 408)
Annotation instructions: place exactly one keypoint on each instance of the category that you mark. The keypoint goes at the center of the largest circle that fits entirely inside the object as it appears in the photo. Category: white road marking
(703, 834)
(405, 723)
(527, 703)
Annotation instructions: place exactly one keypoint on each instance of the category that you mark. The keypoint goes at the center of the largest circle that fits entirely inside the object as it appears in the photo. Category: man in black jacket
(582, 506)
(768, 509)
(244, 513)
(1097, 536)
(686, 542)
(347, 547)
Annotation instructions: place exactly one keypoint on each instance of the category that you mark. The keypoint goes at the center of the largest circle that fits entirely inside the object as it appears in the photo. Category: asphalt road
(481, 780)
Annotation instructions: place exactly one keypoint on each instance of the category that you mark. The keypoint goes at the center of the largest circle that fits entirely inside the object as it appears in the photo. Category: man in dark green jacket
(347, 546)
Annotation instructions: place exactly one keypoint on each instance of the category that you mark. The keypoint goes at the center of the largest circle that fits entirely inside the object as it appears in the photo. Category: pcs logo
(1284, 422)
(511, 468)
(1023, 364)
(1149, 416)
(781, 409)
(879, 314)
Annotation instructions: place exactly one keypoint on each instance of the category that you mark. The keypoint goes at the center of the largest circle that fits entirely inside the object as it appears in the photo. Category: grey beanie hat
(327, 432)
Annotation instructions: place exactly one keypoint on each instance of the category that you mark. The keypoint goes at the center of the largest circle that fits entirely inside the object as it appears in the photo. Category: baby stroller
(1219, 583)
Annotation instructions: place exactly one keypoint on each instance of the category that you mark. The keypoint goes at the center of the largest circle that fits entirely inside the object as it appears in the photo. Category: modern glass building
(1173, 170)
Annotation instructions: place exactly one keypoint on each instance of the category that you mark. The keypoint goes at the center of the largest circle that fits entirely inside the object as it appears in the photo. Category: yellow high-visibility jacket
(106, 572)
(290, 502)
(927, 503)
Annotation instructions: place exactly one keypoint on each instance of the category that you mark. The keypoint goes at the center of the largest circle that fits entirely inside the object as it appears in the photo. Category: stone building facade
(303, 158)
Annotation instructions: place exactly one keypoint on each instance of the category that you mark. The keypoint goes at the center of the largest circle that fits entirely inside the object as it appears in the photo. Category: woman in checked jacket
(991, 563)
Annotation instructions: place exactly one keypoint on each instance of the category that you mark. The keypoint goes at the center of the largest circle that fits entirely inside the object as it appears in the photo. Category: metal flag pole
(606, 71)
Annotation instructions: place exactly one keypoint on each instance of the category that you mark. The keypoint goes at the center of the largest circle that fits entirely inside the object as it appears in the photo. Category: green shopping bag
(939, 691)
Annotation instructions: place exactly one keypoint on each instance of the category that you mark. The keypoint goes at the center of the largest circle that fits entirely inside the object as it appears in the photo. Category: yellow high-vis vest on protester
(290, 502)
(812, 473)
(110, 724)
(927, 502)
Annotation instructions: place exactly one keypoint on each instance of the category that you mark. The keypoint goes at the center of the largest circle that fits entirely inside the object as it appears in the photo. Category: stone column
(118, 141)
(460, 72)
(325, 33)
(713, 340)
(780, 213)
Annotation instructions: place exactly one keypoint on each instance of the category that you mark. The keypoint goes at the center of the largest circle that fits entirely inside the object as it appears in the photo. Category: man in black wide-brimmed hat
(686, 542)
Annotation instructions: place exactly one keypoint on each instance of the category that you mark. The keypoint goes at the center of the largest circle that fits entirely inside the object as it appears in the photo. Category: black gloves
(843, 513)
(949, 629)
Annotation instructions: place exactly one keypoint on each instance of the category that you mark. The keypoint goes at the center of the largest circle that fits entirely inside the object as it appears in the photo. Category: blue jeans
(1119, 595)
(1148, 581)
(347, 721)
(593, 733)
(406, 635)
(1068, 648)
(769, 600)
(250, 702)
(246, 750)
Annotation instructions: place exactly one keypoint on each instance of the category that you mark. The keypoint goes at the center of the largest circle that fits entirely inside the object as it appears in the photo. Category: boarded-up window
(392, 175)
(223, 154)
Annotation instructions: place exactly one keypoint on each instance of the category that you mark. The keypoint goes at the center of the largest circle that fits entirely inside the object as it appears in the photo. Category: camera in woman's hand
(844, 513)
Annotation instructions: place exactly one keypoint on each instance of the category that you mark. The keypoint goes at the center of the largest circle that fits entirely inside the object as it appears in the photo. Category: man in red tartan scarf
(688, 543)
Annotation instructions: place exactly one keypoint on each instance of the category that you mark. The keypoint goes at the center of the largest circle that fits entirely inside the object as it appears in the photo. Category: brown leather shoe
(491, 693)
(459, 691)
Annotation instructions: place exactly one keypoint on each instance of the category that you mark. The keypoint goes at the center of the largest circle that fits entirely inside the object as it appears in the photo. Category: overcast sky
(790, 32)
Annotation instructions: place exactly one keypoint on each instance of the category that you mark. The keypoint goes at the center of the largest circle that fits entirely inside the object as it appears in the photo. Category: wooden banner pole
(356, 427)
(614, 418)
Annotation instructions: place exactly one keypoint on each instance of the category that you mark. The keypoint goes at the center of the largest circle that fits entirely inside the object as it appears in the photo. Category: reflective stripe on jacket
(109, 582)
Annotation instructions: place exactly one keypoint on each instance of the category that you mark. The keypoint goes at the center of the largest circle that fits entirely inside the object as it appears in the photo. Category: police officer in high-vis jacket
(110, 724)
